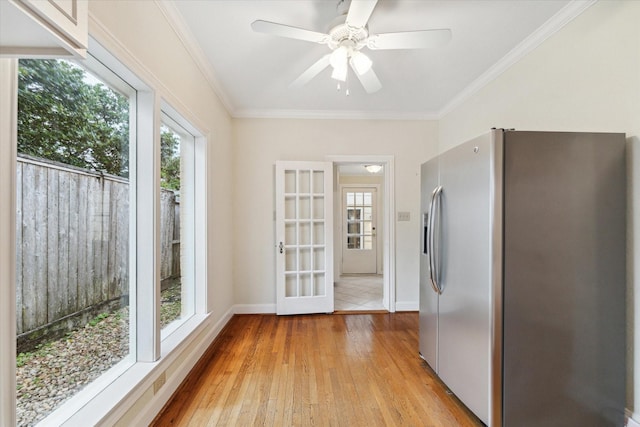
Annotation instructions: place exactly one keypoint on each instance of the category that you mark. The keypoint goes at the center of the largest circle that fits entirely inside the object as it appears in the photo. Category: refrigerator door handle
(428, 243)
(433, 277)
(437, 199)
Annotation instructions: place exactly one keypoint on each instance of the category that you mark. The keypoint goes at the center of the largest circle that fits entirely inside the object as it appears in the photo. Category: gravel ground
(57, 370)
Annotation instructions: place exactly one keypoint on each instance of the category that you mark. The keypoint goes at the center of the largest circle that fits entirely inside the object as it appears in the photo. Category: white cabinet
(43, 28)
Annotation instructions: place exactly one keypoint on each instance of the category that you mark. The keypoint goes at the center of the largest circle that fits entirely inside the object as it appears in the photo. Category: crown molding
(180, 27)
(549, 28)
(334, 115)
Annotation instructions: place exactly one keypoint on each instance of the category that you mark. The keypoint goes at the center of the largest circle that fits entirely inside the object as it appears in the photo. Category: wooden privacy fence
(72, 241)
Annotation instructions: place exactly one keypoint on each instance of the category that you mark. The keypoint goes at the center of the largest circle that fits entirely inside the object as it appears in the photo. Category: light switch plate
(404, 216)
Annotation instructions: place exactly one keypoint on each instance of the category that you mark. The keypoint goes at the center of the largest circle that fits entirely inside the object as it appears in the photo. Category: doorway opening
(358, 292)
(363, 233)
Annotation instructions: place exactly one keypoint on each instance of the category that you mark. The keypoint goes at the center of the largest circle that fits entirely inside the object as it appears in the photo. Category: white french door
(304, 237)
(359, 241)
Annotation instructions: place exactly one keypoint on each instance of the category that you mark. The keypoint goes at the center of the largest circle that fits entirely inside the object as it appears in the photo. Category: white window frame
(8, 155)
(192, 217)
(200, 197)
(104, 73)
(102, 400)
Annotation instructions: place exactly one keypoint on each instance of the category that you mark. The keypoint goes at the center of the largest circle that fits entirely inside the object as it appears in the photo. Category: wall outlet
(404, 216)
(159, 382)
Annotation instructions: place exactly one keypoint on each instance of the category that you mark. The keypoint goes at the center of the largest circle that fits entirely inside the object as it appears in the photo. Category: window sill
(105, 397)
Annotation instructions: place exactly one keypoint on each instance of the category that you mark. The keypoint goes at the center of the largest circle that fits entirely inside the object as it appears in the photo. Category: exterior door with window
(359, 252)
(304, 236)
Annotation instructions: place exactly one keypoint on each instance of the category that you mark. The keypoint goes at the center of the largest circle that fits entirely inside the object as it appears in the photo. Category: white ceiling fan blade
(311, 72)
(369, 80)
(359, 12)
(410, 39)
(288, 31)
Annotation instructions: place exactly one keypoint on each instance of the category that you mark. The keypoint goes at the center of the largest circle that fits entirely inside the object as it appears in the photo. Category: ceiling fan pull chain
(346, 83)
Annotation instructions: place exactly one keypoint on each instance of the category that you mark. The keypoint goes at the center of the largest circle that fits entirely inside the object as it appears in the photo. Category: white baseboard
(407, 306)
(254, 309)
(632, 420)
(271, 308)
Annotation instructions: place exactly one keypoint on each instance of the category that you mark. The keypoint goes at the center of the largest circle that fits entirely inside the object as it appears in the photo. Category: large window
(73, 239)
(177, 179)
(110, 237)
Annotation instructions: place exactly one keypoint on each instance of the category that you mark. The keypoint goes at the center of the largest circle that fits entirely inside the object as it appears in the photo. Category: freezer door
(464, 325)
(428, 297)
(564, 279)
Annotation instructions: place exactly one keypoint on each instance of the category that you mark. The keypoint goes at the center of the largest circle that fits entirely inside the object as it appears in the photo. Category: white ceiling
(252, 71)
(357, 169)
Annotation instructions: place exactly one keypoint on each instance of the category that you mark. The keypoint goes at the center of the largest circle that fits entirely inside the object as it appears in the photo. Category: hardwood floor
(315, 370)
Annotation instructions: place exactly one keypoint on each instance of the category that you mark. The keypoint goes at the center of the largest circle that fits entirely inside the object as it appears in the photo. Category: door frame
(339, 227)
(387, 207)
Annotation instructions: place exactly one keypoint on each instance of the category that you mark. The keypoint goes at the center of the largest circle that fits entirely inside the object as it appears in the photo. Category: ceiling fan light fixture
(340, 73)
(360, 62)
(373, 168)
(339, 57)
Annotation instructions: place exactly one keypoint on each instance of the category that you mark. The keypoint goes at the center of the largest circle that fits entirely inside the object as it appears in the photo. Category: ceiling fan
(348, 34)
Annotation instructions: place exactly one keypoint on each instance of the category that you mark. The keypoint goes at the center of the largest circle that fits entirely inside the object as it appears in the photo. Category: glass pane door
(359, 215)
(304, 229)
(359, 250)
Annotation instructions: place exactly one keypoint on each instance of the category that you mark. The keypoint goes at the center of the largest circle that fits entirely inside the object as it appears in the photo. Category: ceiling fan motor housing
(342, 34)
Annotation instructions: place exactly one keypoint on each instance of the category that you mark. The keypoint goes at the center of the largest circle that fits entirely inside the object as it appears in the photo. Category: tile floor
(358, 293)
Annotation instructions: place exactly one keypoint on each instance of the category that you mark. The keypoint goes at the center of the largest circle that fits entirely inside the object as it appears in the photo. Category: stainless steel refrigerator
(522, 277)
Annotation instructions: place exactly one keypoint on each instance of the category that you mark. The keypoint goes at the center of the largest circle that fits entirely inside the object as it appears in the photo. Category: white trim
(389, 230)
(631, 419)
(254, 309)
(8, 147)
(193, 48)
(535, 39)
(145, 203)
(407, 306)
(201, 222)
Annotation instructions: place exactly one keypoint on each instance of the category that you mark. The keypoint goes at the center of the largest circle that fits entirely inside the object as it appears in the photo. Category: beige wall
(260, 142)
(140, 36)
(584, 78)
(361, 179)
